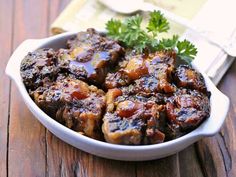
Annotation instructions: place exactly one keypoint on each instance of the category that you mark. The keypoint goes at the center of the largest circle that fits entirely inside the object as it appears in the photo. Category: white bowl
(219, 108)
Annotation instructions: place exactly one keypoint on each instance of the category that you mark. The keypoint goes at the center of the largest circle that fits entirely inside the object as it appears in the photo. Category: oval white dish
(219, 108)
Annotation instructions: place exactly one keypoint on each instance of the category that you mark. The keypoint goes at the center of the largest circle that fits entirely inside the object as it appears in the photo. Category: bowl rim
(13, 71)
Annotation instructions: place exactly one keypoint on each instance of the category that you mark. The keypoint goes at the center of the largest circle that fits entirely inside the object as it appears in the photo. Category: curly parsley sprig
(134, 36)
(157, 23)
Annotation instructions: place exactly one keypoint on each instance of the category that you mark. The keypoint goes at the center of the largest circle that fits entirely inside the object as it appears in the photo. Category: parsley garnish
(168, 44)
(186, 50)
(157, 23)
(134, 36)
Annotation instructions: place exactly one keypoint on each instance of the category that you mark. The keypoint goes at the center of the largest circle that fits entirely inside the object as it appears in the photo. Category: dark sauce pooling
(100, 89)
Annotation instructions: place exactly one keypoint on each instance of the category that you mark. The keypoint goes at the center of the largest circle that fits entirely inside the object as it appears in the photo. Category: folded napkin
(216, 17)
(211, 15)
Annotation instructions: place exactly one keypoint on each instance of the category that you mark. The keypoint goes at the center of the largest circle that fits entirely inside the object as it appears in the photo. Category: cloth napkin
(216, 17)
(213, 16)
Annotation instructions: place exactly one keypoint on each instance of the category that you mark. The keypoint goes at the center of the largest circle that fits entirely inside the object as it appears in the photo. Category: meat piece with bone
(73, 103)
(39, 67)
(149, 72)
(188, 108)
(187, 77)
(130, 120)
(90, 56)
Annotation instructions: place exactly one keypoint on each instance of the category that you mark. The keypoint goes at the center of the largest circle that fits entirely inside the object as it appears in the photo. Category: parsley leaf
(157, 23)
(168, 44)
(132, 35)
(186, 50)
(114, 28)
(134, 22)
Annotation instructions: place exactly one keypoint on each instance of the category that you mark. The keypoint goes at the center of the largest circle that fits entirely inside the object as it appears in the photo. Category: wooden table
(28, 149)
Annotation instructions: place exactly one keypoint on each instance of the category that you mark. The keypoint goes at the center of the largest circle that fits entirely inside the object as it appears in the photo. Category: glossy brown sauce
(101, 90)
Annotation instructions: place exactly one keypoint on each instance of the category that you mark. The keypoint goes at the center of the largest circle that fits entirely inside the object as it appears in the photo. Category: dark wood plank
(6, 26)
(64, 160)
(227, 136)
(210, 156)
(217, 154)
(165, 167)
(189, 163)
(26, 134)
(113, 168)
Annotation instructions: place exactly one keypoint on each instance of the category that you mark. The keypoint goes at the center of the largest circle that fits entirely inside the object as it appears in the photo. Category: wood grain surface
(6, 26)
(28, 149)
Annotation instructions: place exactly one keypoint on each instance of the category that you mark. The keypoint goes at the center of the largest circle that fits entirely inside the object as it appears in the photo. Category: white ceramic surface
(219, 109)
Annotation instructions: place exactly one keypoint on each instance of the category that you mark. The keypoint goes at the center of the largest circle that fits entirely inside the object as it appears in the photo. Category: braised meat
(39, 67)
(187, 108)
(98, 88)
(151, 84)
(130, 120)
(150, 72)
(90, 56)
(73, 103)
(187, 77)
(117, 79)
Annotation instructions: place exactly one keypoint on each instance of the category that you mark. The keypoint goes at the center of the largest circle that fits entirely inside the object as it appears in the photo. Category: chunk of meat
(136, 67)
(158, 98)
(39, 67)
(73, 103)
(127, 93)
(117, 79)
(131, 121)
(173, 131)
(188, 108)
(118, 130)
(90, 56)
(84, 116)
(162, 72)
(111, 95)
(128, 108)
(187, 77)
(151, 84)
(151, 70)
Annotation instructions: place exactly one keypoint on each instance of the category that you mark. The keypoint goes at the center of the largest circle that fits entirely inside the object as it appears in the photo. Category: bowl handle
(218, 115)
(22, 50)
